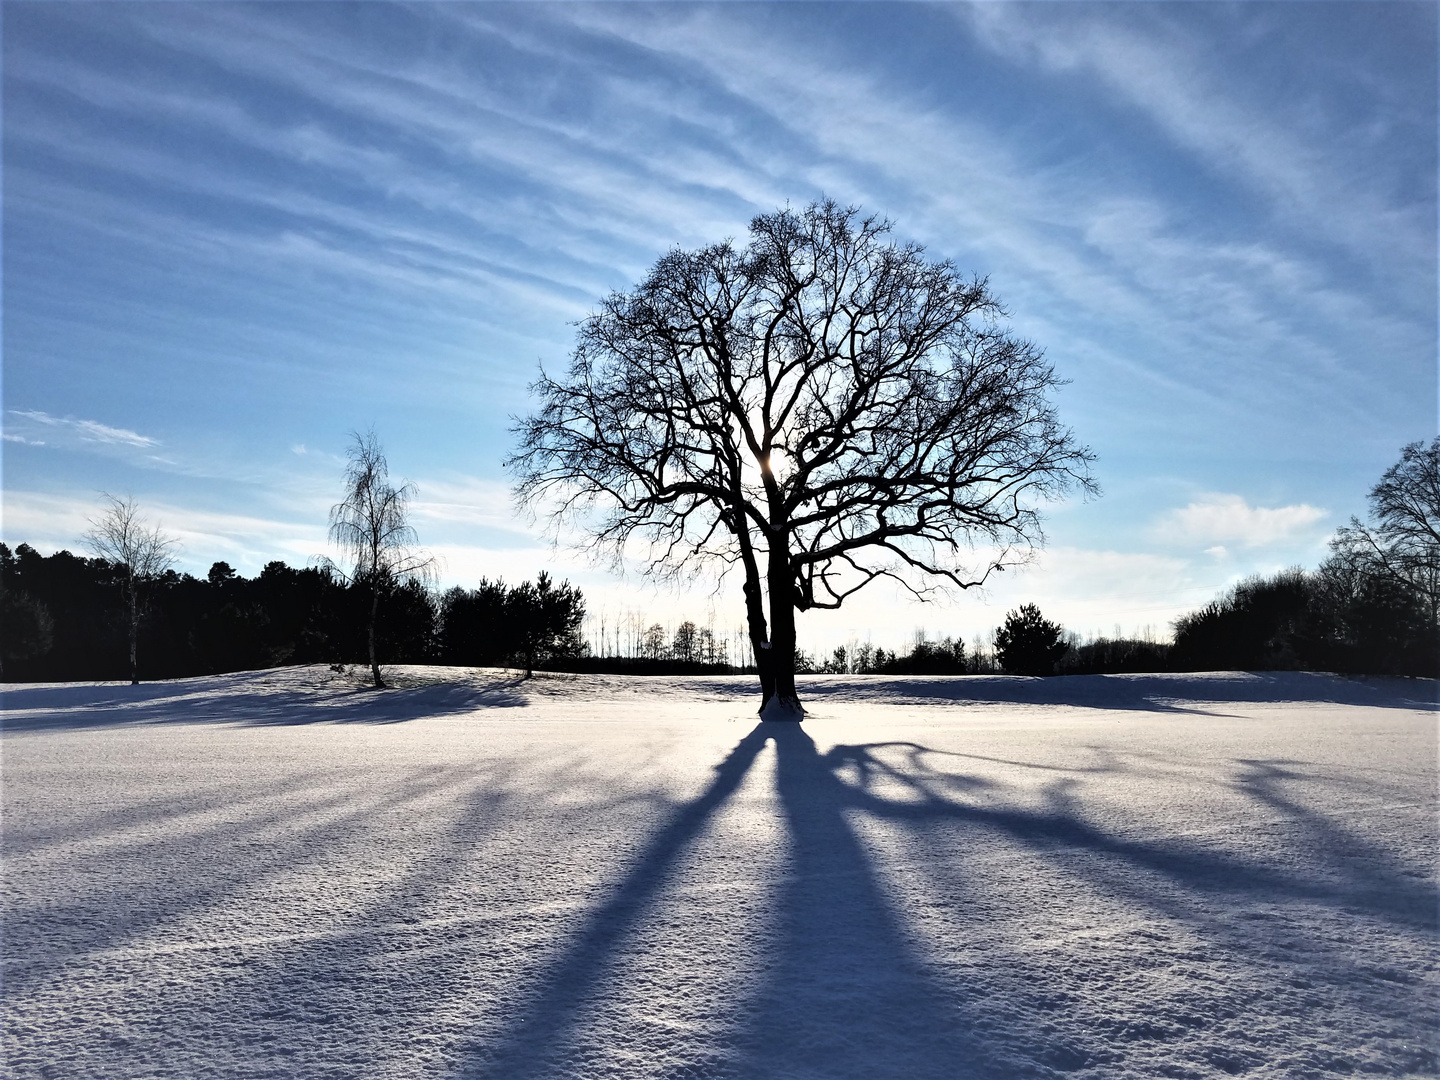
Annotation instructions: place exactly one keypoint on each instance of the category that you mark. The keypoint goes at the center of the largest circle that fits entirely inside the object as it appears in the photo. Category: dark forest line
(65, 619)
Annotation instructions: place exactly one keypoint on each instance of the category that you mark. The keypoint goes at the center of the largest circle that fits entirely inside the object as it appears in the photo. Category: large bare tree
(139, 551)
(1401, 542)
(371, 525)
(822, 407)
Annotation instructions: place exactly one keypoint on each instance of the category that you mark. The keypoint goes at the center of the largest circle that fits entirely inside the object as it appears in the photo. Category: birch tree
(139, 552)
(371, 525)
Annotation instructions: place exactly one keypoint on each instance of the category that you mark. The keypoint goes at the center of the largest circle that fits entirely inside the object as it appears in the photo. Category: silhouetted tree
(1254, 626)
(370, 524)
(472, 625)
(1028, 643)
(708, 648)
(943, 657)
(823, 402)
(652, 643)
(141, 553)
(84, 600)
(1104, 655)
(28, 629)
(545, 620)
(685, 647)
(1401, 542)
(1369, 622)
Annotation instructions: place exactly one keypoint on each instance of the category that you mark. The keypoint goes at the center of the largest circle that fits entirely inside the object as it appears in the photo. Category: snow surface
(279, 874)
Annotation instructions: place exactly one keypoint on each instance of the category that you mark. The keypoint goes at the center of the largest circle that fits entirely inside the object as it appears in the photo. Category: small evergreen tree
(545, 619)
(1028, 643)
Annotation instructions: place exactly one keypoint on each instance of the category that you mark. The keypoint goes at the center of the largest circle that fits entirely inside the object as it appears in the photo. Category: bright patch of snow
(282, 874)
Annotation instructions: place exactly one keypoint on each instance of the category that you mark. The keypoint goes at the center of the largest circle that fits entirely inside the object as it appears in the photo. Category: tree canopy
(1400, 546)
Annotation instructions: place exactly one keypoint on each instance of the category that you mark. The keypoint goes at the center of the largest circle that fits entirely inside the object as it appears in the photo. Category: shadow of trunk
(846, 996)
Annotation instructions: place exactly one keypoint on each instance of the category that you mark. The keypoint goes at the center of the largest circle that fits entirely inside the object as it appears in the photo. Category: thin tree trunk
(374, 612)
(134, 633)
(755, 616)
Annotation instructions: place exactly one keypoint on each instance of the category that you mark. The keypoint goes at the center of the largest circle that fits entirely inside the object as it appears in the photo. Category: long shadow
(538, 1033)
(140, 817)
(1396, 898)
(1177, 693)
(107, 918)
(847, 994)
(1314, 878)
(229, 700)
(844, 994)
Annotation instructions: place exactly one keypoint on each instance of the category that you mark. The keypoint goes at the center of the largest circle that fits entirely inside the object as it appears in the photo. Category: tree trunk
(134, 634)
(755, 617)
(374, 613)
(784, 701)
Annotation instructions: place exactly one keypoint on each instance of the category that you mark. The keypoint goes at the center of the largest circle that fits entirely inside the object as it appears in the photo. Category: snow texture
(281, 874)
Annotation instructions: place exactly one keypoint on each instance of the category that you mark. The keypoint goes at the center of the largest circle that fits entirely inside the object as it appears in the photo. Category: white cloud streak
(1163, 73)
(85, 431)
(1219, 519)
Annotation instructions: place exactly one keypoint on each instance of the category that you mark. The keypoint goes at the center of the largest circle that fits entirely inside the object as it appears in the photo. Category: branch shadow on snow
(548, 1020)
(295, 821)
(1059, 827)
(1326, 912)
(847, 993)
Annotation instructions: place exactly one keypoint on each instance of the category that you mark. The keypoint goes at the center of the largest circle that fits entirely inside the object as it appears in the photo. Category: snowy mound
(283, 874)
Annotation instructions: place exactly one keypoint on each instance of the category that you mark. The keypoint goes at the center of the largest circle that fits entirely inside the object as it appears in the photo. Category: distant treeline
(1336, 618)
(64, 618)
(1331, 619)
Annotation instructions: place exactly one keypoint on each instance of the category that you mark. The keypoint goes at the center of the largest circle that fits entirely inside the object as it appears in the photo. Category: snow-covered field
(279, 874)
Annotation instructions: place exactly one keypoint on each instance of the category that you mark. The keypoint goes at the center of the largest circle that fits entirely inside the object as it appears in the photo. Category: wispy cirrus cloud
(1314, 163)
(1215, 313)
(73, 429)
(426, 198)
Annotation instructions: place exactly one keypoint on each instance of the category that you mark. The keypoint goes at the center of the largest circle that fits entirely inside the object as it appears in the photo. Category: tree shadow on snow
(843, 994)
(249, 699)
(298, 820)
(845, 991)
(1060, 826)
(847, 994)
(1178, 693)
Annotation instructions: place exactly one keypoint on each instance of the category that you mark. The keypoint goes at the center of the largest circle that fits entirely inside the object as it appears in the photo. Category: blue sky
(234, 233)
